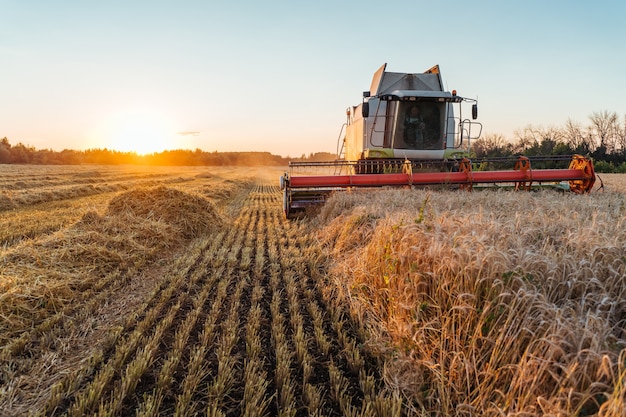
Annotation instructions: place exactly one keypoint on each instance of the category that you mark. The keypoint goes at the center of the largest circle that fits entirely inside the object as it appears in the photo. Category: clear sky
(277, 76)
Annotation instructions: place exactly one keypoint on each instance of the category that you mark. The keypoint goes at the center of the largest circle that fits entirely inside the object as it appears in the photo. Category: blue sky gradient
(277, 76)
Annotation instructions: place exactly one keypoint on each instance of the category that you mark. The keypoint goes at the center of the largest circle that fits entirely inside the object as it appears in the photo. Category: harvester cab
(408, 131)
(407, 116)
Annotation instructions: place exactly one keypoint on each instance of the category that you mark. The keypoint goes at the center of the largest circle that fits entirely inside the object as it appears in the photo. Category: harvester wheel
(466, 167)
(523, 164)
(584, 164)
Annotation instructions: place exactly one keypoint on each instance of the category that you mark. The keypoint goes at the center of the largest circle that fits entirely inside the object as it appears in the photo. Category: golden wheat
(486, 302)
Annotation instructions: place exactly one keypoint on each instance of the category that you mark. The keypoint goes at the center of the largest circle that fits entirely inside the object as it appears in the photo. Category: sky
(277, 76)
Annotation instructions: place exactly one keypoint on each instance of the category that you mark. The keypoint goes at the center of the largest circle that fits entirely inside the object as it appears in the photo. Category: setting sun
(139, 131)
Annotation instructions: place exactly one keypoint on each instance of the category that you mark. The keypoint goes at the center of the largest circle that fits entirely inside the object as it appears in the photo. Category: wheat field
(183, 291)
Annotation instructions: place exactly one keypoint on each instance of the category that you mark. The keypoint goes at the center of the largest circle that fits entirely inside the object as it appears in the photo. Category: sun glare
(143, 132)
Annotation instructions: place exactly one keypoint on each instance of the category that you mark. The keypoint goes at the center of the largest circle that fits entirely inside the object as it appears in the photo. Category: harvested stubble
(488, 303)
(6, 203)
(37, 185)
(42, 277)
(32, 222)
(27, 197)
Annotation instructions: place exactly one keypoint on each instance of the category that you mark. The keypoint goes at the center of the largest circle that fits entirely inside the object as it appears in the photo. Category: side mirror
(365, 109)
(366, 94)
(474, 111)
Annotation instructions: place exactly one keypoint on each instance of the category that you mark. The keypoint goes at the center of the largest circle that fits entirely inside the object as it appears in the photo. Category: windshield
(419, 125)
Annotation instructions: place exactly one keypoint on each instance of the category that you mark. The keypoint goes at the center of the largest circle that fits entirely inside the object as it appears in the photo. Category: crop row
(239, 326)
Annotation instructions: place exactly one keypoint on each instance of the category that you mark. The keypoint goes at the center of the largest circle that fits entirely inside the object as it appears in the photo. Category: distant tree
(621, 137)
(69, 157)
(525, 139)
(533, 140)
(489, 146)
(5, 151)
(578, 139)
(22, 154)
(322, 156)
(605, 127)
(44, 157)
(5, 155)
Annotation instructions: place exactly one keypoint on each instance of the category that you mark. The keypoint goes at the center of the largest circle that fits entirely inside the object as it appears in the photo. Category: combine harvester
(408, 131)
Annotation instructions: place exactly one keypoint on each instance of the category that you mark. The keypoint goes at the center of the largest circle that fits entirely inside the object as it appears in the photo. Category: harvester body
(408, 116)
(408, 131)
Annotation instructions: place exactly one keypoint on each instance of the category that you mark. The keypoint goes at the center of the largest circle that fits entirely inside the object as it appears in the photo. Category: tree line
(603, 139)
(23, 154)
